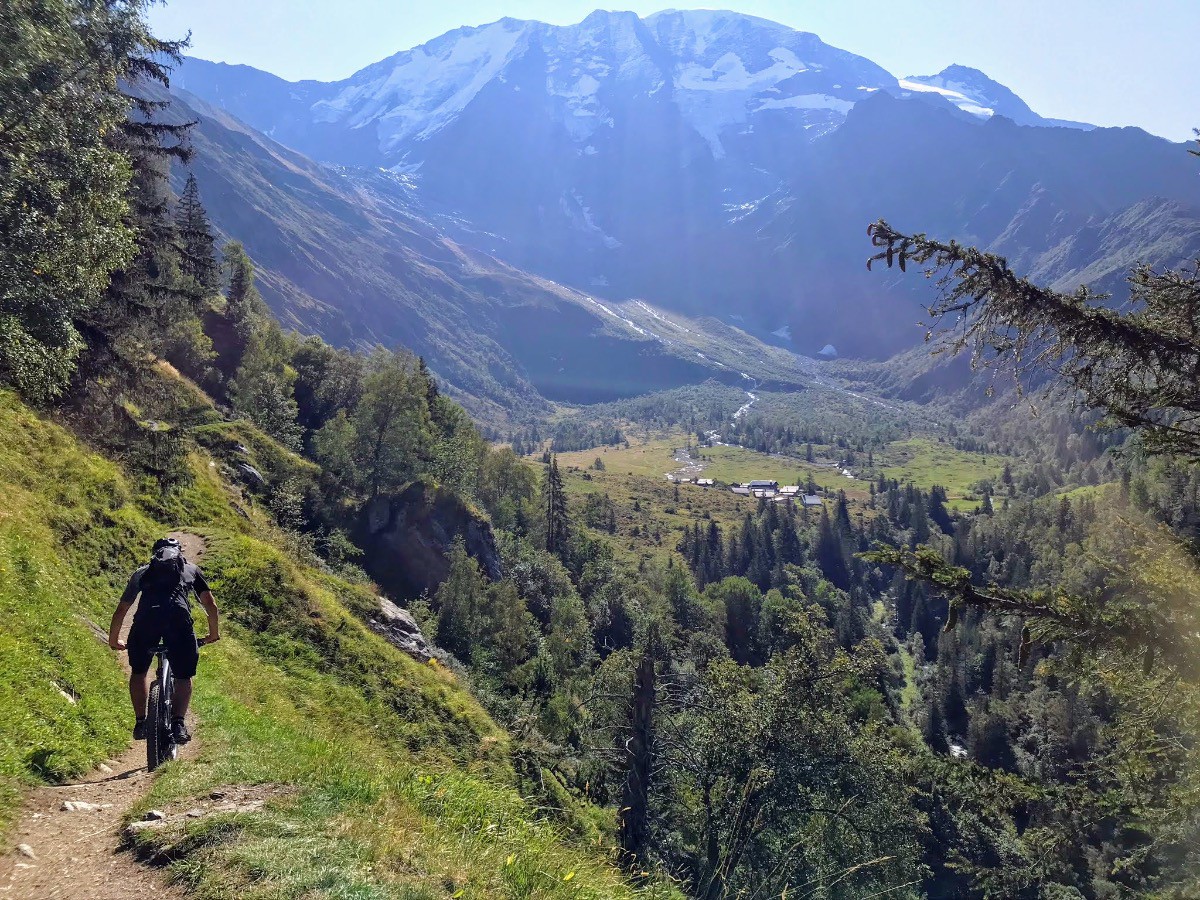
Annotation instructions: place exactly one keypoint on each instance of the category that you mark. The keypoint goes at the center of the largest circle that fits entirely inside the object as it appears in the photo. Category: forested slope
(968, 670)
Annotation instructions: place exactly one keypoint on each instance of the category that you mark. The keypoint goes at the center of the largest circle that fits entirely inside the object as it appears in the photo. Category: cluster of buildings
(770, 490)
(759, 490)
(701, 482)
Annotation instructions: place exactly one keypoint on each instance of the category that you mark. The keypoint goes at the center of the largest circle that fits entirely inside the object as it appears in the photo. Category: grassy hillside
(389, 779)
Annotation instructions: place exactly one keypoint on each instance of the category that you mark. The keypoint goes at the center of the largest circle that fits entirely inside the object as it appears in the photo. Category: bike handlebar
(162, 648)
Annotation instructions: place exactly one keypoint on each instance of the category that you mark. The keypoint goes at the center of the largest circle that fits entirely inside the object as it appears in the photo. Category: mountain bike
(160, 744)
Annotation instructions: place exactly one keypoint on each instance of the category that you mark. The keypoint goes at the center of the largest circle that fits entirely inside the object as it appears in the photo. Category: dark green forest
(883, 698)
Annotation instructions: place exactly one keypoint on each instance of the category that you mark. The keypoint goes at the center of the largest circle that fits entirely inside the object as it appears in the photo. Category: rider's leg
(138, 691)
(181, 698)
(140, 644)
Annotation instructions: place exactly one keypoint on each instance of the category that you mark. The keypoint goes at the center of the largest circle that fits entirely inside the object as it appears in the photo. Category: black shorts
(172, 626)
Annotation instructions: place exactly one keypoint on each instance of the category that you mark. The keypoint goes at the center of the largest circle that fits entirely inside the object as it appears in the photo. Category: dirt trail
(61, 851)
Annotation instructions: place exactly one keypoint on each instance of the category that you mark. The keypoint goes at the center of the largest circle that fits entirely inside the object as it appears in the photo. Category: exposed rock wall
(407, 536)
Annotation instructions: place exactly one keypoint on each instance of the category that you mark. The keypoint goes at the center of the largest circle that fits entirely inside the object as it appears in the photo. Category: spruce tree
(231, 328)
(934, 730)
(830, 552)
(149, 295)
(198, 258)
(66, 161)
(554, 505)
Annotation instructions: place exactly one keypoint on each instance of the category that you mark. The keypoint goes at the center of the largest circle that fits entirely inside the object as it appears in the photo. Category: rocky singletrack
(68, 840)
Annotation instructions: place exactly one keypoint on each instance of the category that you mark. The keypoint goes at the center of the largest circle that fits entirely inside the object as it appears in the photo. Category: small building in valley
(810, 500)
(705, 482)
(741, 491)
(764, 486)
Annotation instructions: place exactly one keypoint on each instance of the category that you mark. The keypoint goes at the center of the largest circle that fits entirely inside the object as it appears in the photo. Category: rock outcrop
(406, 539)
(401, 630)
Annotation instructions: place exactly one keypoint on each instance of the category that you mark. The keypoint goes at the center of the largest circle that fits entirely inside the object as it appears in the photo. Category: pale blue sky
(1111, 62)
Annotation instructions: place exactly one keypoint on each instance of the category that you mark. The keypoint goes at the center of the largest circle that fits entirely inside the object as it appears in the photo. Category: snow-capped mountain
(720, 69)
(712, 162)
(975, 93)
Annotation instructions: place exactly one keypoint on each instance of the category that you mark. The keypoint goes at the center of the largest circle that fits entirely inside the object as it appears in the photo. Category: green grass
(926, 462)
(1089, 492)
(735, 464)
(389, 779)
(653, 458)
(363, 821)
(67, 523)
(398, 789)
(651, 513)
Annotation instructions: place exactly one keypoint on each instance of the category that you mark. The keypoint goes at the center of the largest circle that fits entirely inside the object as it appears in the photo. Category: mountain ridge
(715, 164)
(345, 254)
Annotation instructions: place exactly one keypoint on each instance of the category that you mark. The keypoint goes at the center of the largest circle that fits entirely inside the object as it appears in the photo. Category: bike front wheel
(159, 746)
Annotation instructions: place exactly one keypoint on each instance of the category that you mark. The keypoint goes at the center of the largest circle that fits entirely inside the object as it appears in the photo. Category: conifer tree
(634, 832)
(554, 505)
(196, 243)
(232, 327)
(830, 552)
(934, 730)
(68, 150)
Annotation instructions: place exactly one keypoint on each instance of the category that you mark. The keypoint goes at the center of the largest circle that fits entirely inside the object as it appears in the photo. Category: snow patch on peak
(954, 92)
(729, 73)
(809, 101)
(417, 93)
(975, 92)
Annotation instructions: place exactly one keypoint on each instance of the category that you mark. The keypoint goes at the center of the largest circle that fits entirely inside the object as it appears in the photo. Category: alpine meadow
(661, 456)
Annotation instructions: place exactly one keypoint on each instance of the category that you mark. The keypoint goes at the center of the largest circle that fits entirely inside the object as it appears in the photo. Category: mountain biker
(165, 586)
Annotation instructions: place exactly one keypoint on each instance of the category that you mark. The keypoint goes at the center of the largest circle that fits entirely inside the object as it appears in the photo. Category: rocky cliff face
(406, 538)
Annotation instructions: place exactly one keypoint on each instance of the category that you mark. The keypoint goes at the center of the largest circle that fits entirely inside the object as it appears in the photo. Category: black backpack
(163, 577)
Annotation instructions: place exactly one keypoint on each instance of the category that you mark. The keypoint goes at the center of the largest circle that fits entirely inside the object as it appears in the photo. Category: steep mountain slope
(720, 73)
(381, 776)
(600, 154)
(345, 255)
(1052, 200)
(723, 165)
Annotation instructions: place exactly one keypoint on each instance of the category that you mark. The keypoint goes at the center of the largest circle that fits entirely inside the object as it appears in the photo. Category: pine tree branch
(1129, 632)
(1140, 365)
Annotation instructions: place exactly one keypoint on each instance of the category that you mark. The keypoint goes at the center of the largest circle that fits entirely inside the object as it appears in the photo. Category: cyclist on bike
(164, 614)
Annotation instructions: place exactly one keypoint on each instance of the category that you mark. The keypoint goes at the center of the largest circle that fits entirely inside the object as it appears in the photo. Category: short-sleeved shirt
(192, 582)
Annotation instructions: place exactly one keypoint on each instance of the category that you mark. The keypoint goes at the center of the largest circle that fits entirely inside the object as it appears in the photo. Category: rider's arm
(118, 618)
(114, 628)
(210, 610)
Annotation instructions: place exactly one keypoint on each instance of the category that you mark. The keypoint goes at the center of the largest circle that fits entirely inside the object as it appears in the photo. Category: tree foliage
(1139, 364)
(65, 209)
